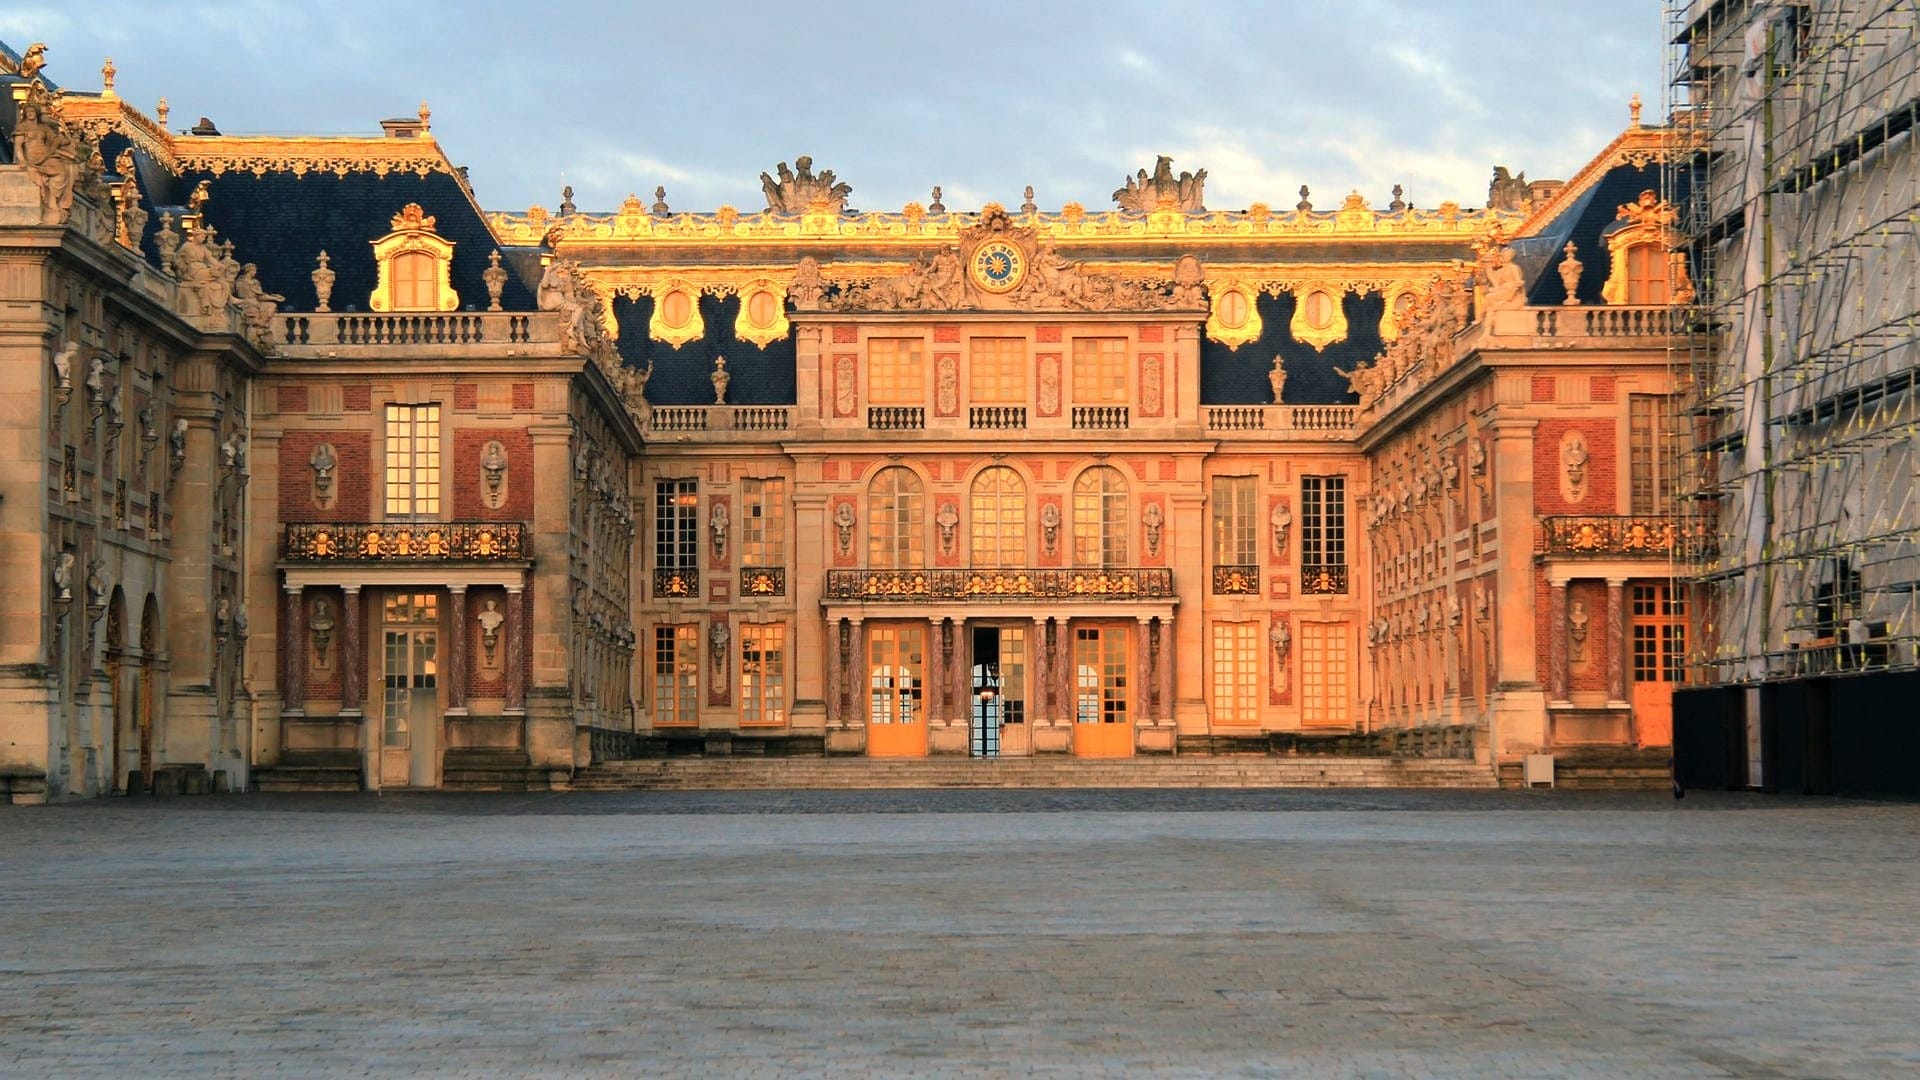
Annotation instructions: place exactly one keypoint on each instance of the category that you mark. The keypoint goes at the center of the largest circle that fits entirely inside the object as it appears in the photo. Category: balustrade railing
(1333, 419)
(896, 418)
(1099, 417)
(418, 328)
(763, 581)
(997, 417)
(679, 418)
(1000, 584)
(449, 541)
(760, 418)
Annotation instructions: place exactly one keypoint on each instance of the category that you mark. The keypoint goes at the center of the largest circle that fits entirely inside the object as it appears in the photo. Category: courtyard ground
(1200, 933)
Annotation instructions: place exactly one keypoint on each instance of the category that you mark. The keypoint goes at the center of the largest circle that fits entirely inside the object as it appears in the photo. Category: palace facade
(320, 476)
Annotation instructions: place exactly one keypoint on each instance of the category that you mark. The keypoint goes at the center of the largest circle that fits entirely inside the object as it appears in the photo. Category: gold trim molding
(1233, 315)
(255, 154)
(413, 233)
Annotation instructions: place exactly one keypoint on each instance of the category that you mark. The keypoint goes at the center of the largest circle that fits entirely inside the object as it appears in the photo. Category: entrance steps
(682, 774)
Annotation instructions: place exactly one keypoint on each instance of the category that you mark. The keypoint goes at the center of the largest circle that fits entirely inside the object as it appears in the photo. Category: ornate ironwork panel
(429, 541)
(1000, 584)
(1236, 580)
(1323, 579)
(1650, 537)
(676, 582)
(763, 581)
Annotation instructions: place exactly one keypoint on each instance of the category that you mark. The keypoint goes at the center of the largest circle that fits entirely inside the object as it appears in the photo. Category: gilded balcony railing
(1323, 578)
(1236, 580)
(763, 581)
(676, 582)
(1645, 536)
(1000, 584)
(447, 541)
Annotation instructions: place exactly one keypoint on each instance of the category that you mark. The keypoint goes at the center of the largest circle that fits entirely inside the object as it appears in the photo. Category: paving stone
(943, 933)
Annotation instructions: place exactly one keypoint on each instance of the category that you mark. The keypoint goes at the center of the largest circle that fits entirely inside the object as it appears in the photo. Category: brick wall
(1549, 469)
(469, 502)
(352, 477)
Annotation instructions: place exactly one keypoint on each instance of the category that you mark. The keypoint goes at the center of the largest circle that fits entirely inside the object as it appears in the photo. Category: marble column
(350, 684)
(1616, 641)
(513, 651)
(1557, 641)
(293, 694)
(836, 670)
(1144, 679)
(457, 649)
(1040, 669)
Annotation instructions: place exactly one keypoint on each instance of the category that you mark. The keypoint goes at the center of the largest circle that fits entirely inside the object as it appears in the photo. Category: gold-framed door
(409, 738)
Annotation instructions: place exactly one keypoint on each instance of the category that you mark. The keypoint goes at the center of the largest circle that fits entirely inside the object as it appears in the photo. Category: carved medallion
(998, 266)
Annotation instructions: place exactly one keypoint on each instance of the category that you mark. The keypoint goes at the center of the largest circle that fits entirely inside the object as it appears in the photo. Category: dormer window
(416, 265)
(1647, 267)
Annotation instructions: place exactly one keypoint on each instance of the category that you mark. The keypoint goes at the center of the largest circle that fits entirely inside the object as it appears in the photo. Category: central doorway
(1659, 651)
(410, 727)
(998, 685)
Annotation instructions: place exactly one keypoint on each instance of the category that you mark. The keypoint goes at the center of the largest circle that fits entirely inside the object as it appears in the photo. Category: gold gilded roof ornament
(413, 238)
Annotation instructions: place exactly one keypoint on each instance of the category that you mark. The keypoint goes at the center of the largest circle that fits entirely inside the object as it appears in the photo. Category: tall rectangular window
(763, 528)
(676, 526)
(1099, 371)
(1234, 541)
(997, 371)
(895, 374)
(763, 673)
(1236, 674)
(1323, 521)
(1325, 669)
(676, 674)
(413, 461)
(1653, 452)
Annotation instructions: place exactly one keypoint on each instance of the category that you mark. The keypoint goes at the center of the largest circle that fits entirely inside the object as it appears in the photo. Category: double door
(410, 708)
(998, 682)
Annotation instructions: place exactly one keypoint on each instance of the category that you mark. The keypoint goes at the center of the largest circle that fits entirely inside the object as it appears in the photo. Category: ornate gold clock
(998, 266)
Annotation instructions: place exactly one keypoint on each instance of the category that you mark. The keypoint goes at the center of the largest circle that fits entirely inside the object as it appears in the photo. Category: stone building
(401, 493)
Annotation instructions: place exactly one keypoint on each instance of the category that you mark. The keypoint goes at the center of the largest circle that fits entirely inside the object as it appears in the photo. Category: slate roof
(1585, 223)
(682, 376)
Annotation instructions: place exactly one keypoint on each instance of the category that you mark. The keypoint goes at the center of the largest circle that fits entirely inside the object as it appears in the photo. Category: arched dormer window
(1647, 266)
(416, 266)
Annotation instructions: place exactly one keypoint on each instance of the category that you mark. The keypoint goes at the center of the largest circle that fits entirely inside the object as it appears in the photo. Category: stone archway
(116, 645)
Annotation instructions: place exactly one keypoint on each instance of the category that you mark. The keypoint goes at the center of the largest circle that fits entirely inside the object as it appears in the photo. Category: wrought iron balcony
(1615, 536)
(1236, 580)
(1320, 579)
(1000, 585)
(763, 581)
(676, 582)
(427, 541)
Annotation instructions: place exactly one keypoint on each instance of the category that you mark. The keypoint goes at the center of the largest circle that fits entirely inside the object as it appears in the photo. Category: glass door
(410, 727)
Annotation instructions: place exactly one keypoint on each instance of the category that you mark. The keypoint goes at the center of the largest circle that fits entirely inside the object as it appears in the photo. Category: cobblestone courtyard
(1074, 933)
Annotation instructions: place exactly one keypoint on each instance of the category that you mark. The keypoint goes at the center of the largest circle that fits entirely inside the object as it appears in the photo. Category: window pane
(895, 375)
(999, 518)
(895, 521)
(1233, 521)
(1099, 371)
(997, 371)
(1100, 522)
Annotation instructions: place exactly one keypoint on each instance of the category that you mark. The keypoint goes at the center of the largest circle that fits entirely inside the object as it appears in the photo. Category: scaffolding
(1797, 182)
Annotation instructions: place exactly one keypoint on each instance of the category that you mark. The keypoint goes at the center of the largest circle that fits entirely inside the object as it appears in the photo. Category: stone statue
(843, 520)
(1154, 519)
(177, 441)
(321, 626)
(31, 62)
(63, 366)
(1506, 285)
(562, 290)
(167, 242)
(936, 206)
(948, 519)
(1277, 378)
(1189, 283)
(323, 462)
(1575, 457)
(230, 452)
(323, 276)
(1570, 268)
(53, 153)
(808, 290)
(495, 278)
(493, 471)
(1280, 640)
(1050, 526)
(63, 576)
(718, 523)
(1143, 193)
(97, 379)
(257, 306)
(1281, 520)
(719, 636)
(97, 585)
(1506, 191)
(1577, 620)
(799, 189)
(198, 269)
(720, 379)
(490, 619)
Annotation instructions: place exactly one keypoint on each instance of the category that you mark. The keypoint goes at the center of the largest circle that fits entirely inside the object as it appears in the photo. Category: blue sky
(982, 98)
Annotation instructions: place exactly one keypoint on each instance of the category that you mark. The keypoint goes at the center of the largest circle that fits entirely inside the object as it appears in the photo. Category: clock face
(999, 266)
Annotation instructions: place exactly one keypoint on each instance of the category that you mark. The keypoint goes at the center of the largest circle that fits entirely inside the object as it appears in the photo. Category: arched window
(999, 519)
(896, 520)
(1100, 525)
(1647, 274)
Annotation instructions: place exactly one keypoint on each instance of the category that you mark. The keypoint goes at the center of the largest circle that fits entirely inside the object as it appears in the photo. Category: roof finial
(566, 200)
(107, 72)
(1633, 111)
(160, 112)
(426, 115)
(1305, 204)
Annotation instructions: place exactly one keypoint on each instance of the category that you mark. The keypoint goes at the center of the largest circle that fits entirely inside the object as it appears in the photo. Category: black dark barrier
(1876, 735)
(1704, 719)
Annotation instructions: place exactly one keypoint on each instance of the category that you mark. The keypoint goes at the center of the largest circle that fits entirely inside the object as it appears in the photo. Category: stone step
(711, 773)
